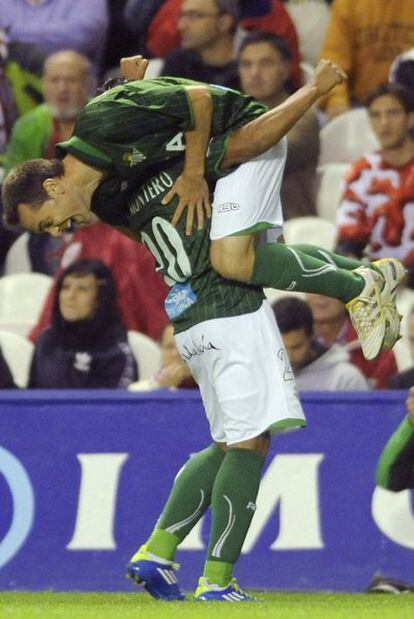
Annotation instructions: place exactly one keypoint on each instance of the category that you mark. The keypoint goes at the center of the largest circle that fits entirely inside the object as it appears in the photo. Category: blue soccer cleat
(209, 592)
(158, 578)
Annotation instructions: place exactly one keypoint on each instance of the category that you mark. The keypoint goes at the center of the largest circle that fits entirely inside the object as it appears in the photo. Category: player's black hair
(292, 314)
(24, 183)
(402, 94)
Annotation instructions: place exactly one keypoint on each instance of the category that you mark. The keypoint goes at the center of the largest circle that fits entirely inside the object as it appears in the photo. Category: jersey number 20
(167, 248)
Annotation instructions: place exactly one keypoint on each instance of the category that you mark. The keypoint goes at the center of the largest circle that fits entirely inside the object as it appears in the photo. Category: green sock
(188, 501)
(285, 268)
(329, 257)
(233, 503)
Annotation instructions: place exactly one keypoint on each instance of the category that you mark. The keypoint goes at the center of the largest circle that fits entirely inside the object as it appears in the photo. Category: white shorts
(248, 199)
(244, 375)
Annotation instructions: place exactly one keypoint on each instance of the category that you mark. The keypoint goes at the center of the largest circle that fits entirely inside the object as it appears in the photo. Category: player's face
(199, 24)
(262, 70)
(298, 347)
(66, 88)
(78, 297)
(57, 213)
(390, 122)
(326, 309)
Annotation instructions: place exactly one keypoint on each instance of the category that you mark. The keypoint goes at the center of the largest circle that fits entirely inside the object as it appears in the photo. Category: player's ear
(53, 186)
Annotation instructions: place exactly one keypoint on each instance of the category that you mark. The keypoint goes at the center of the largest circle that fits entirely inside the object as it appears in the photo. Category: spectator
(174, 372)
(67, 85)
(207, 29)
(270, 15)
(86, 347)
(141, 290)
(315, 366)
(364, 37)
(58, 24)
(375, 215)
(405, 380)
(8, 110)
(333, 326)
(6, 378)
(264, 69)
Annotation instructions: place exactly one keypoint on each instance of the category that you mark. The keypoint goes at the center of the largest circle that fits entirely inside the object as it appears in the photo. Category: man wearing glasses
(208, 33)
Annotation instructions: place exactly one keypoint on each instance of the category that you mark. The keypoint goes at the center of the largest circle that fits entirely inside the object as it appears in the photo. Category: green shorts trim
(284, 425)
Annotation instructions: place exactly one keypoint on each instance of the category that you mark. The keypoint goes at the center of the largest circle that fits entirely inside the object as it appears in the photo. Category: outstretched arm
(265, 131)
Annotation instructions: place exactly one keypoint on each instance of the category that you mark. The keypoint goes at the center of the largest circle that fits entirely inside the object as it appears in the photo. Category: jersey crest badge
(134, 157)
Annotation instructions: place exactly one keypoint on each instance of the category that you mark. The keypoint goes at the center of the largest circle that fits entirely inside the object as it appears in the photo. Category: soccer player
(130, 131)
(395, 469)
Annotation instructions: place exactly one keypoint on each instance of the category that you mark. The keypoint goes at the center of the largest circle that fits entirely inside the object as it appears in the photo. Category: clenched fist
(326, 76)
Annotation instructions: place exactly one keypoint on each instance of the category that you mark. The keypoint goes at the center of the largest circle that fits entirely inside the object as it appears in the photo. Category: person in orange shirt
(364, 37)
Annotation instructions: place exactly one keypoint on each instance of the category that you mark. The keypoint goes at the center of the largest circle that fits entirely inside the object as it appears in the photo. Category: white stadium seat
(405, 302)
(347, 137)
(311, 19)
(312, 230)
(17, 258)
(147, 354)
(330, 178)
(17, 352)
(22, 296)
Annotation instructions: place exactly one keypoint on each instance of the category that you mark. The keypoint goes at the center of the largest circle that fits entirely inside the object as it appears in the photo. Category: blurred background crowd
(71, 315)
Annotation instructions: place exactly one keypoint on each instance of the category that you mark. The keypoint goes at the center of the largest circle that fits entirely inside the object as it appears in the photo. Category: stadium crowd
(357, 184)
(47, 74)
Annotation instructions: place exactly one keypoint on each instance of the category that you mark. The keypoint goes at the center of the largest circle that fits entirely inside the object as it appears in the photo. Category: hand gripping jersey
(198, 293)
(134, 130)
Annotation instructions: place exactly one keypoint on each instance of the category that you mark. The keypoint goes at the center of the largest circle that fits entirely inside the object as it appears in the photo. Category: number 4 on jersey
(177, 143)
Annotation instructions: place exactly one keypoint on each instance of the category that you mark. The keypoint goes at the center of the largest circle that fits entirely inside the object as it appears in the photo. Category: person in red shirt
(376, 212)
(163, 34)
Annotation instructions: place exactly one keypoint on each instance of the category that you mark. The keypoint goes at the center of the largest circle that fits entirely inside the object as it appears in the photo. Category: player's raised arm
(260, 134)
(191, 187)
(133, 67)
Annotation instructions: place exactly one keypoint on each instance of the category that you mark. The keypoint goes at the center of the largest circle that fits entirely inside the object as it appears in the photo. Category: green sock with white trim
(189, 499)
(233, 503)
(286, 267)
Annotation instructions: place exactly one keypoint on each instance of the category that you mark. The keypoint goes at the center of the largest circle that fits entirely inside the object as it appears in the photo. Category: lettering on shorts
(227, 207)
(197, 349)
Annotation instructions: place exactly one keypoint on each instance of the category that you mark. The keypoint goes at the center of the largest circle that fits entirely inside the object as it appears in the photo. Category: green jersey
(198, 293)
(134, 130)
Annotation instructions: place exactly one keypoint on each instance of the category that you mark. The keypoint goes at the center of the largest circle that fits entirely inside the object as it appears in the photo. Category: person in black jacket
(86, 346)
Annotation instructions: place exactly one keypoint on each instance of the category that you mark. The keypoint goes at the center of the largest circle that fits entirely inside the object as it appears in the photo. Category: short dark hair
(280, 44)
(402, 94)
(24, 183)
(292, 313)
(230, 7)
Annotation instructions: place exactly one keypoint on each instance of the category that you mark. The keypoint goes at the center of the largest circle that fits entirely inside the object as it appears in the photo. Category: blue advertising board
(83, 476)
